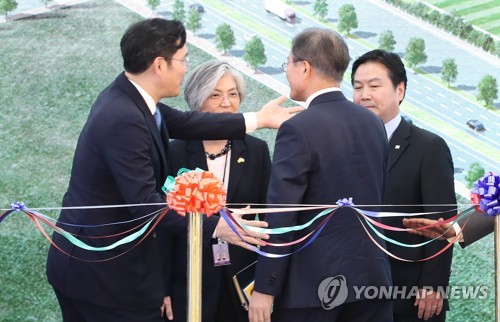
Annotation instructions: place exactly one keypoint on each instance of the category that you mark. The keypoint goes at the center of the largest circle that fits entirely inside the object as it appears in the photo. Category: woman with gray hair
(244, 167)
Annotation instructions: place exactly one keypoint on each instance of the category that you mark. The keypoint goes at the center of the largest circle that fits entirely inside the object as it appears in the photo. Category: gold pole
(195, 244)
(497, 268)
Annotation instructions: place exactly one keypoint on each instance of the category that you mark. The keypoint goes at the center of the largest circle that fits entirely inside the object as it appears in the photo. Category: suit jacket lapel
(130, 89)
(399, 142)
(196, 155)
(237, 165)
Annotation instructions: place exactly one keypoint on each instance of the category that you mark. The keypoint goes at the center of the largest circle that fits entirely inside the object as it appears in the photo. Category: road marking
(444, 106)
(427, 88)
(430, 98)
(456, 103)
(483, 117)
(469, 109)
(461, 160)
(457, 113)
(442, 95)
(416, 92)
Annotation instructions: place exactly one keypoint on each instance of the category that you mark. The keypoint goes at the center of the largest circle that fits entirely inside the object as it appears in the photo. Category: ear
(400, 90)
(159, 63)
(307, 69)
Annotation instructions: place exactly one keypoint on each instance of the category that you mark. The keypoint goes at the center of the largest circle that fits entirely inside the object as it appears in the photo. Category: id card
(221, 254)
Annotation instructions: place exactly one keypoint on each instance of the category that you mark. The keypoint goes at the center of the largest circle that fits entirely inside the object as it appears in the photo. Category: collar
(321, 91)
(392, 125)
(150, 102)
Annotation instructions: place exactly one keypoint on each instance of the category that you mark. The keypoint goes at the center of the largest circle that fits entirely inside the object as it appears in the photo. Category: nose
(225, 101)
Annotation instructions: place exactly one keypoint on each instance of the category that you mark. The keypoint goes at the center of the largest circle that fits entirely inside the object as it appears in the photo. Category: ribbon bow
(486, 193)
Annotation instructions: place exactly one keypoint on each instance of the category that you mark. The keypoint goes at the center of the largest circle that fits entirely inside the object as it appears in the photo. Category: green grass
(481, 13)
(51, 70)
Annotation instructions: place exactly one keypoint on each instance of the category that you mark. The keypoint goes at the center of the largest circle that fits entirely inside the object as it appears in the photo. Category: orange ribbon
(197, 191)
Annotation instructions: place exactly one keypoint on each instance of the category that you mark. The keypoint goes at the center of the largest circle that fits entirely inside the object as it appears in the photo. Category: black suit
(420, 173)
(475, 226)
(120, 159)
(250, 166)
(335, 149)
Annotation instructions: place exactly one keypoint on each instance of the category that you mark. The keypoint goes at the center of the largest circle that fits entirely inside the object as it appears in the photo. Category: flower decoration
(486, 193)
(196, 191)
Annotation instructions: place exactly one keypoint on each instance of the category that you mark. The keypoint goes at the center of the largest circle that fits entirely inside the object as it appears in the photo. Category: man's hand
(260, 307)
(224, 232)
(430, 232)
(429, 303)
(166, 308)
(272, 114)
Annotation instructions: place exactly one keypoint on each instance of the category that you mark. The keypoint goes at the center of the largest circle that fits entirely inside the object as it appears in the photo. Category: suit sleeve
(266, 174)
(202, 126)
(475, 226)
(288, 184)
(437, 188)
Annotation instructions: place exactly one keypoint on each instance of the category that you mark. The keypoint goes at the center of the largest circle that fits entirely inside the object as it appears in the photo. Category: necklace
(222, 152)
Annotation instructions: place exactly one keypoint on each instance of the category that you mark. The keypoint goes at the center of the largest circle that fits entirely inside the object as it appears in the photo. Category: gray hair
(324, 49)
(202, 81)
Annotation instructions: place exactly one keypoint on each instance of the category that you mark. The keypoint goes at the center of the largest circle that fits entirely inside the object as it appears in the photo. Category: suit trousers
(414, 318)
(361, 311)
(78, 311)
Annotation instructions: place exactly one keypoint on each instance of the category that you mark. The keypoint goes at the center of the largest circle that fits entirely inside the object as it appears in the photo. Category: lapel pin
(397, 146)
(240, 160)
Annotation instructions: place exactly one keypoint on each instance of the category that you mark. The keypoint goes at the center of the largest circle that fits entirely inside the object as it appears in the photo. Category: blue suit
(121, 159)
(334, 149)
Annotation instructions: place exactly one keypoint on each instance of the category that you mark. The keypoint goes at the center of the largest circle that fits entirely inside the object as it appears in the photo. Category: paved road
(445, 104)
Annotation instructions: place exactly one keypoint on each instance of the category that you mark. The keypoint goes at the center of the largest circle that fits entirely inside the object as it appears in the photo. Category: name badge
(221, 254)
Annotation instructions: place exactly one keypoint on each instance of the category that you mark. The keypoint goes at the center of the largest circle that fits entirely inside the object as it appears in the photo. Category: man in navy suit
(121, 159)
(333, 150)
(420, 173)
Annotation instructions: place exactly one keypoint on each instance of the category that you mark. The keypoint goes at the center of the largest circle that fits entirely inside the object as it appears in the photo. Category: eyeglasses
(184, 61)
(285, 64)
(217, 98)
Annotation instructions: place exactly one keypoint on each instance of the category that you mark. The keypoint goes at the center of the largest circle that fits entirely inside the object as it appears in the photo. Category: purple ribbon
(488, 189)
(346, 202)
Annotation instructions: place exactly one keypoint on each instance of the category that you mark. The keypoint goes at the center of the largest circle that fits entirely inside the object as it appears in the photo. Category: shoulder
(425, 135)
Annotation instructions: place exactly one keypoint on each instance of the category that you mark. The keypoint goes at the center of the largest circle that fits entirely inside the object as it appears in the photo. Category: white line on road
(457, 113)
(483, 117)
(430, 98)
(416, 92)
(469, 109)
(442, 95)
(455, 102)
(460, 159)
(428, 88)
(443, 106)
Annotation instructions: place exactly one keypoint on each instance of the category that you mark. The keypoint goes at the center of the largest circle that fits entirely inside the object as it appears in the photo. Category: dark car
(196, 6)
(476, 125)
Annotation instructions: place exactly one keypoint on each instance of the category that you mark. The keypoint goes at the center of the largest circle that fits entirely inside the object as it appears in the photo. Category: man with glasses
(335, 149)
(121, 159)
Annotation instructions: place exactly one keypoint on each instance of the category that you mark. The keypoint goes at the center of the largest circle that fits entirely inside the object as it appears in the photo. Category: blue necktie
(157, 119)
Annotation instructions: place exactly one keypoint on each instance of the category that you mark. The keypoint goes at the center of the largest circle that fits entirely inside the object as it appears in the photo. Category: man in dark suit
(121, 159)
(420, 173)
(334, 149)
(472, 227)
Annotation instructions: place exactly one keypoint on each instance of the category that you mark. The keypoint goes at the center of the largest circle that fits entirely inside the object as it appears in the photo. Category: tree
(320, 9)
(153, 4)
(179, 13)
(487, 90)
(347, 18)
(476, 172)
(224, 37)
(415, 52)
(194, 21)
(449, 72)
(386, 40)
(7, 6)
(255, 53)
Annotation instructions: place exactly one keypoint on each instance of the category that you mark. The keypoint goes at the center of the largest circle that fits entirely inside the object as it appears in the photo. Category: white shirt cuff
(250, 121)
(458, 232)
